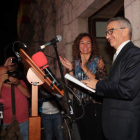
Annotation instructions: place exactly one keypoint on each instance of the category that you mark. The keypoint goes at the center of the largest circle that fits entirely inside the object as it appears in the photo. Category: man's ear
(126, 32)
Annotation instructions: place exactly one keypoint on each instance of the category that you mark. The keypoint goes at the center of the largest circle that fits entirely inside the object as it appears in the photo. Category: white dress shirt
(119, 49)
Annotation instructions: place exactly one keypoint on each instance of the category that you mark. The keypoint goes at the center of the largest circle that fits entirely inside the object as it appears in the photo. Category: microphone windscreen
(40, 59)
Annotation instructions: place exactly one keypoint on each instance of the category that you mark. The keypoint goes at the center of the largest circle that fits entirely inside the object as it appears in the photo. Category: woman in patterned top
(87, 64)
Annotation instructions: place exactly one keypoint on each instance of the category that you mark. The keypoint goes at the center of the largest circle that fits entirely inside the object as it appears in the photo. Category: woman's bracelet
(86, 72)
(17, 84)
(70, 71)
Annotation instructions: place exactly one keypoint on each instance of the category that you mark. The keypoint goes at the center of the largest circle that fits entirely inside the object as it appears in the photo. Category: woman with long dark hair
(87, 63)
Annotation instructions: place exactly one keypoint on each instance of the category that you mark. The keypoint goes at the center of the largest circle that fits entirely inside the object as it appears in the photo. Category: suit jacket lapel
(122, 52)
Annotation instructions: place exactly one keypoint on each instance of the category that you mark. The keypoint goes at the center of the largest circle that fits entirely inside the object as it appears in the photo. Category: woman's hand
(90, 83)
(84, 62)
(66, 63)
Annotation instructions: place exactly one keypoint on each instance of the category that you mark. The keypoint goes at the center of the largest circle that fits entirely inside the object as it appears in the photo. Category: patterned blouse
(96, 68)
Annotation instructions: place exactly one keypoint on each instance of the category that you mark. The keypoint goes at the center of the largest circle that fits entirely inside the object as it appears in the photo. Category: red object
(22, 112)
(40, 60)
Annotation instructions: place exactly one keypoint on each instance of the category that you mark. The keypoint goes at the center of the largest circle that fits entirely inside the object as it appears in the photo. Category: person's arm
(24, 90)
(126, 87)
(3, 77)
(68, 65)
(88, 73)
(84, 67)
(101, 73)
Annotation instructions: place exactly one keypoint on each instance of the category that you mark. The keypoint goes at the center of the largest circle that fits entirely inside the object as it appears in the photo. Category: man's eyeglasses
(110, 31)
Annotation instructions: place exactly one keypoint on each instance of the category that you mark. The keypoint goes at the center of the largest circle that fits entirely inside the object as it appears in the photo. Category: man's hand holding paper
(90, 83)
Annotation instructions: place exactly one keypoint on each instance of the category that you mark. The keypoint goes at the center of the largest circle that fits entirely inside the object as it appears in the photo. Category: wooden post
(34, 120)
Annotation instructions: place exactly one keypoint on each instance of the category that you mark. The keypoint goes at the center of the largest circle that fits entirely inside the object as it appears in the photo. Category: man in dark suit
(121, 105)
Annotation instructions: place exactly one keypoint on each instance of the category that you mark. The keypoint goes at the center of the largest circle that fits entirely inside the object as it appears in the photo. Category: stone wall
(67, 18)
(72, 19)
(132, 12)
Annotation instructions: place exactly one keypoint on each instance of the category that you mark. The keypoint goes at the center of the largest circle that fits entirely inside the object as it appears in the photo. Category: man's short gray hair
(123, 22)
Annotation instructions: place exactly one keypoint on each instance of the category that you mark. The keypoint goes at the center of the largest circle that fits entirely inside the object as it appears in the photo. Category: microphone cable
(17, 53)
(78, 100)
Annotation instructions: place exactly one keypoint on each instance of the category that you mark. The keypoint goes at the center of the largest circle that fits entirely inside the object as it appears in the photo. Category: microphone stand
(69, 102)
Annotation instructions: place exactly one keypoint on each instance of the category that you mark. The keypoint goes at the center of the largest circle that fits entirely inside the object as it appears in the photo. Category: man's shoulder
(132, 45)
(130, 53)
(134, 49)
(131, 48)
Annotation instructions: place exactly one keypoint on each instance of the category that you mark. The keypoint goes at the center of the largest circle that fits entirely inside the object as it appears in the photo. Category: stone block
(59, 12)
(73, 14)
(68, 52)
(65, 15)
(68, 35)
(136, 21)
(82, 25)
(89, 2)
(69, 13)
(127, 3)
(77, 3)
(58, 25)
(81, 8)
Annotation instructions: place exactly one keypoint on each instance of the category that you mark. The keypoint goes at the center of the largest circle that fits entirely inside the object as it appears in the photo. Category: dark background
(8, 27)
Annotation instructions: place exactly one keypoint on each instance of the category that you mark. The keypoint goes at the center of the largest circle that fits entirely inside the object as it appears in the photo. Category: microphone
(53, 41)
(41, 61)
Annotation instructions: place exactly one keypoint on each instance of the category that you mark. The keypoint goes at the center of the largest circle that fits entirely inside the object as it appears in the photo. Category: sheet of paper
(74, 80)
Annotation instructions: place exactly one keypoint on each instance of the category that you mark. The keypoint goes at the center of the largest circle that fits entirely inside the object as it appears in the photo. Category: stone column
(132, 12)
